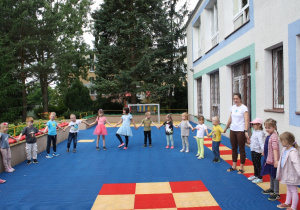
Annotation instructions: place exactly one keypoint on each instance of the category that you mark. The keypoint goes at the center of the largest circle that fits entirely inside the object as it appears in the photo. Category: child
(271, 157)
(31, 145)
(185, 132)
(52, 134)
(5, 150)
(216, 138)
(125, 129)
(200, 137)
(289, 170)
(169, 130)
(147, 129)
(256, 147)
(74, 124)
(100, 128)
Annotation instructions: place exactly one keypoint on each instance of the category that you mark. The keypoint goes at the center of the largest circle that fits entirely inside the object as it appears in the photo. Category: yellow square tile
(114, 202)
(247, 169)
(226, 157)
(153, 188)
(86, 140)
(220, 148)
(194, 199)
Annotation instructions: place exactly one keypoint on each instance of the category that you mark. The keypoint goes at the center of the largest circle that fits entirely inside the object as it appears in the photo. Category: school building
(246, 46)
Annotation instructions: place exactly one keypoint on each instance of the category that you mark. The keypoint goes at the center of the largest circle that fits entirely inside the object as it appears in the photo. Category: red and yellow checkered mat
(226, 155)
(184, 195)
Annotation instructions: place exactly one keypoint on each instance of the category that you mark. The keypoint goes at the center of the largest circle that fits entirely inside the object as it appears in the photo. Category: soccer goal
(141, 109)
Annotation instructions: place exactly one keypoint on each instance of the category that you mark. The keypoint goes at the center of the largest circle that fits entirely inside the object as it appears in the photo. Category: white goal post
(140, 105)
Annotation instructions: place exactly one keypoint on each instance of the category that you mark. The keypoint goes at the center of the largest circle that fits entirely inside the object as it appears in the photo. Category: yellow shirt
(216, 133)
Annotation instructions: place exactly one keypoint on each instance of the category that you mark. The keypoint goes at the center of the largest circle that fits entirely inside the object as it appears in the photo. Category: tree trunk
(44, 89)
(24, 94)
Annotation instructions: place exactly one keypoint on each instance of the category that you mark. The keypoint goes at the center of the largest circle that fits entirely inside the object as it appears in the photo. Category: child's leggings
(72, 137)
(31, 148)
(170, 139)
(121, 141)
(292, 196)
(200, 143)
(51, 138)
(274, 185)
(147, 133)
(256, 159)
(6, 157)
(185, 142)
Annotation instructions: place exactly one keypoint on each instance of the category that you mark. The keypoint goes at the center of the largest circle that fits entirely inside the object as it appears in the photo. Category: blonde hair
(216, 118)
(2, 126)
(72, 115)
(148, 113)
(29, 119)
(272, 123)
(169, 116)
(186, 115)
(53, 113)
(289, 138)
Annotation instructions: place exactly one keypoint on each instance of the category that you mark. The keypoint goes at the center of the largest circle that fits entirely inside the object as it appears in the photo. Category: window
(92, 67)
(240, 12)
(278, 78)
(197, 39)
(241, 82)
(200, 96)
(214, 95)
(214, 25)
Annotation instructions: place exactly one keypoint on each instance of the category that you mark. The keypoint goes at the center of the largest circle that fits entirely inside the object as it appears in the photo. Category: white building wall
(270, 28)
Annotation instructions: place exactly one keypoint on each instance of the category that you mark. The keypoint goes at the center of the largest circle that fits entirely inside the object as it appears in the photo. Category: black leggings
(121, 141)
(147, 133)
(256, 159)
(51, 138)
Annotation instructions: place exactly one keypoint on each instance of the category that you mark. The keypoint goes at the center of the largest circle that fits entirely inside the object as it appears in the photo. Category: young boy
(200, 136)
(147, 128)
(52, 134)
(31, 145)
(216, 138)
(74, 124)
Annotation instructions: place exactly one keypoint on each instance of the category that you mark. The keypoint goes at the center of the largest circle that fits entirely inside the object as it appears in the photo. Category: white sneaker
(187, 151)
(251, 178)
(256, 181)
(199, 158)
(197, 155)
(182, 150)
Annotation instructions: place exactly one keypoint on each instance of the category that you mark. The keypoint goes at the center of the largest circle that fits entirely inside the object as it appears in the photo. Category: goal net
(138, 111)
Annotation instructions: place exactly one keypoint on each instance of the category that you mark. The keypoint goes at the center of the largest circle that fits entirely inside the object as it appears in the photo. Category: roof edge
(193, 13)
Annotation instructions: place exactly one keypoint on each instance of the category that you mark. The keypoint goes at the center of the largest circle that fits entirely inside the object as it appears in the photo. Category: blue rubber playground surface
(73, 180)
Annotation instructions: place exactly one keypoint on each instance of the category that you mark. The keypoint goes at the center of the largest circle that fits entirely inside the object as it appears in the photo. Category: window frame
(200, 96)
(214, 23)
(274, 105)
(241, 12)
(214, 91)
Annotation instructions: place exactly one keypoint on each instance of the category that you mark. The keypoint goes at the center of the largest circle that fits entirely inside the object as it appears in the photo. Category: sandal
(231, 169)
(240, 171)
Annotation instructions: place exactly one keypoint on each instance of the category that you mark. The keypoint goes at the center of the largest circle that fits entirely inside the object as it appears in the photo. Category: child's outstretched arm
(46, 129)
(206, 132)
(157, 126)
(109, 123)
(93, 123)
(84, 122)
(118, 123)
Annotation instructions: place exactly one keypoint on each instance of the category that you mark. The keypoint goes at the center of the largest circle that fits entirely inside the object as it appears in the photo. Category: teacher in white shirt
(238, 123)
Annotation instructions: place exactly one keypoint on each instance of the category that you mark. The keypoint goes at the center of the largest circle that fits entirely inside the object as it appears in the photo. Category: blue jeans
(72, 137)
(170, 139)
(215, 148)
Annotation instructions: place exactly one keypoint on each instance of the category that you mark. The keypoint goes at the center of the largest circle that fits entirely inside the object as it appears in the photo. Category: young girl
(125, 129)
(4, 145)
(271, 157)
(201, 128)
(100, 128)
(256, 146)
(185, 132)
(289, 170)
(169, 131)
(147, 128)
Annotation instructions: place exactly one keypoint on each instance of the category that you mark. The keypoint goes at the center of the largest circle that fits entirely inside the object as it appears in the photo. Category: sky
(88, 37)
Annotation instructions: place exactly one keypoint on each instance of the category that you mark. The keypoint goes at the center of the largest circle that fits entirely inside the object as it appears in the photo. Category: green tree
(140, 48)
(126, 33)
(46, 39)
(78, 97)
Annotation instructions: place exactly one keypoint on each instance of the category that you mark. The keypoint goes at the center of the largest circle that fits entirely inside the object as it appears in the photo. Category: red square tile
(117, 189)
(202, 208)
(206, 139)
(208, 144)
(225, 152)
(152, 201)
(187, 186)
(266, 178)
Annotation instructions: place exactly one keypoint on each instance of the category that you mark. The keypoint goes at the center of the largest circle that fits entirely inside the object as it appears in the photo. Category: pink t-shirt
(101, 120)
